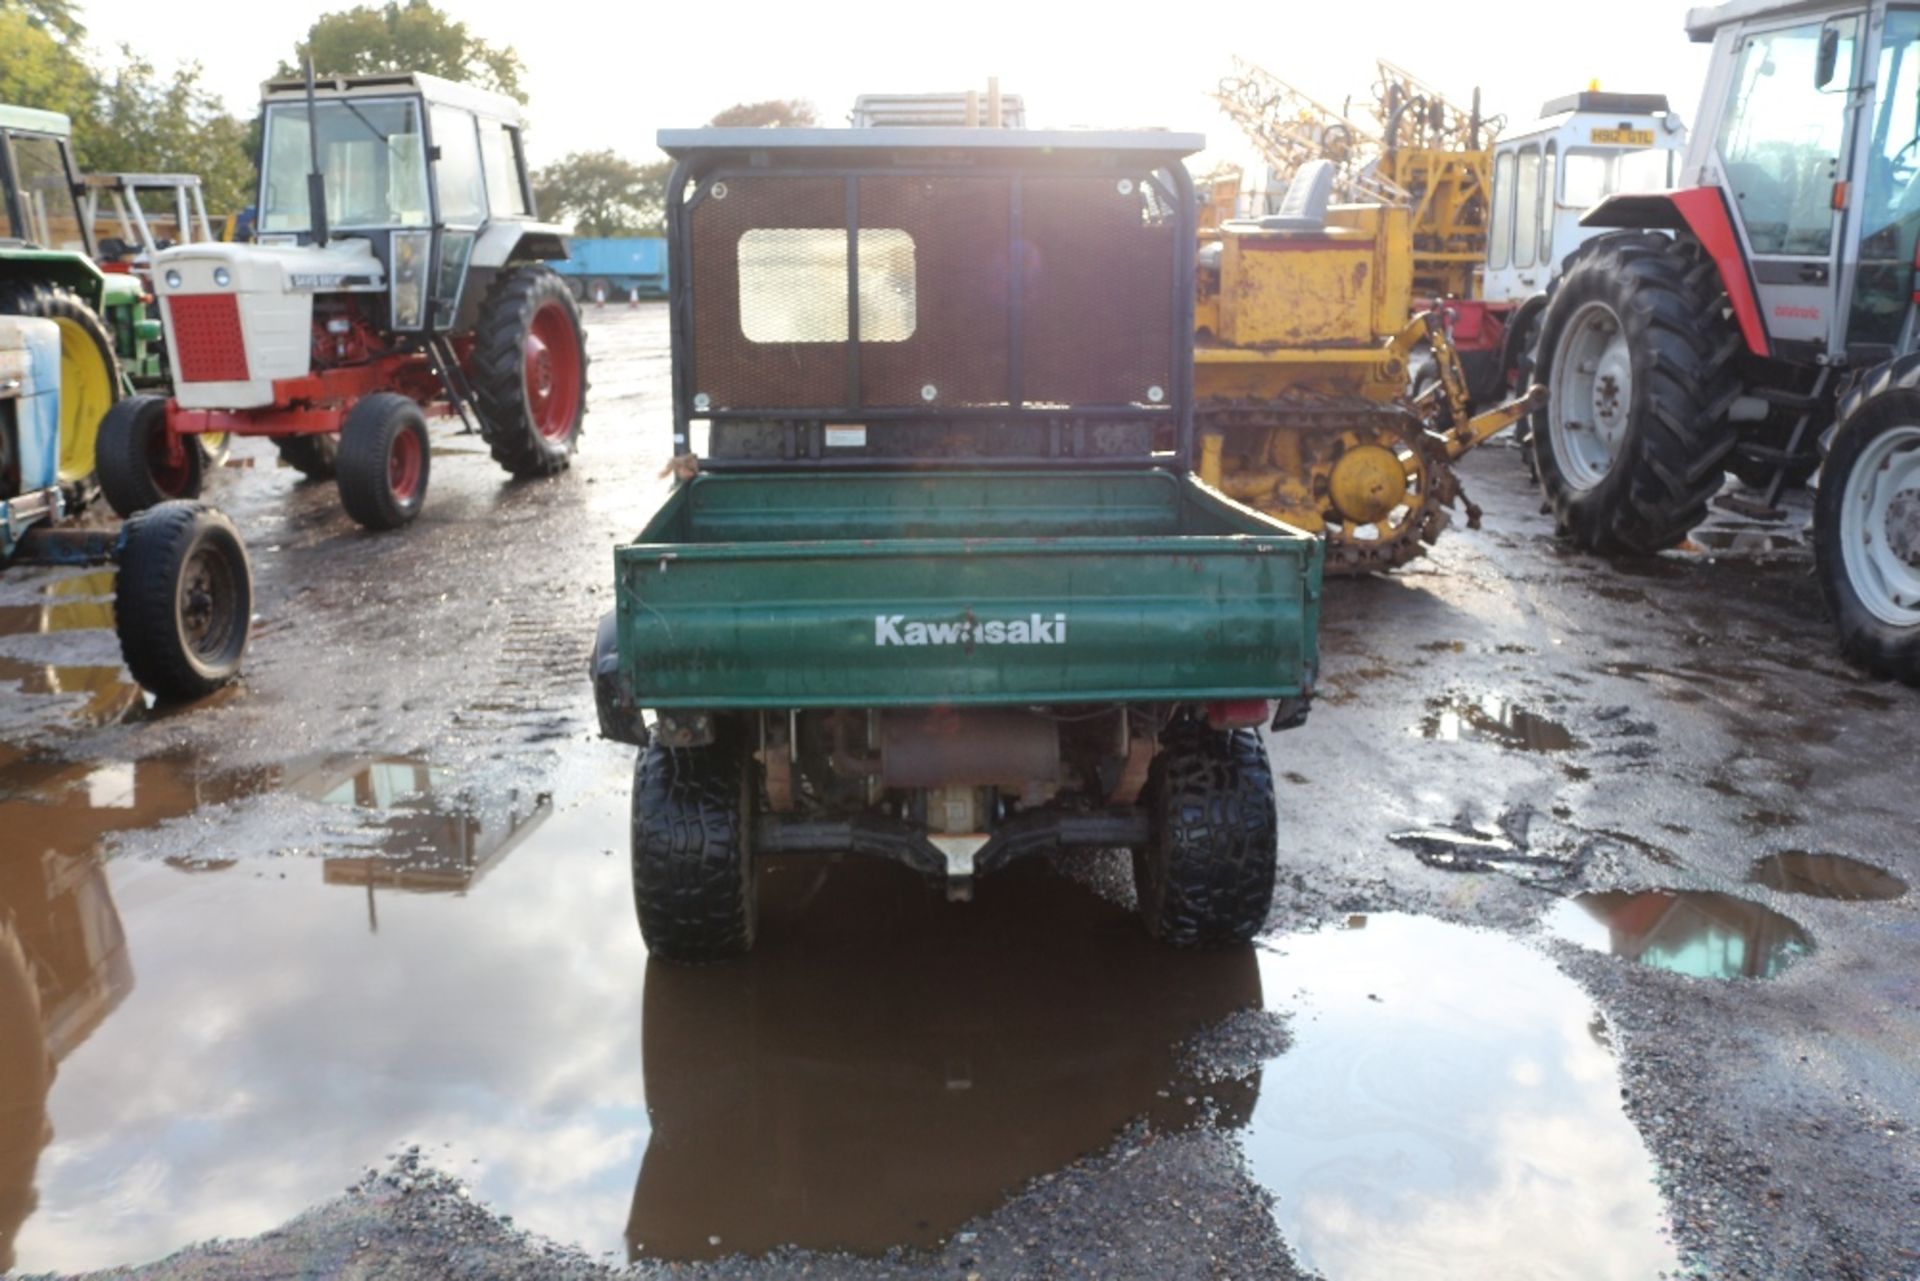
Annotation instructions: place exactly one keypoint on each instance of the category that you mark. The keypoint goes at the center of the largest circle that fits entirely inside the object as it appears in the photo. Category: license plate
(1624, 137)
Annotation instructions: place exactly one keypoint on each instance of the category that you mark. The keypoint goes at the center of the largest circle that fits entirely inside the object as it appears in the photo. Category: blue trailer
(615, 268)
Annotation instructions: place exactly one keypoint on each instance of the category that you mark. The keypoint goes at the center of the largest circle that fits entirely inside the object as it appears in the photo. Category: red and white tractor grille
(207, 338)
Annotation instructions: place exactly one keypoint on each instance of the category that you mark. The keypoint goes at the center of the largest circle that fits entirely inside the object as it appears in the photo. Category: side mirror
(1825, 64)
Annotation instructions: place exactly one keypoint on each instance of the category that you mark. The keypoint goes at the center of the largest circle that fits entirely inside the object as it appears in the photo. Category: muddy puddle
(1493, 718)
(1818, 875)
(1741, 542)
(1449, 1096)
(1702, 934)
(209, 1046)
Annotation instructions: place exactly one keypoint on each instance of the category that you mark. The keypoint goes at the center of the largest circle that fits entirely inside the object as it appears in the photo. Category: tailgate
(891, 622)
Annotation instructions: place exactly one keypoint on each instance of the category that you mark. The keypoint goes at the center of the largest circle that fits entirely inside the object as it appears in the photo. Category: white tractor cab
(1760, 318)
(399, 269)
(1584, 147)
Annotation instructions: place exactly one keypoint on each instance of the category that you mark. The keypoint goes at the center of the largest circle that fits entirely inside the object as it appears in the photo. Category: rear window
(793, 285)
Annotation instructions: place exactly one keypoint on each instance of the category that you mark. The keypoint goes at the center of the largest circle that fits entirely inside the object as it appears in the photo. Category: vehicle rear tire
(529, 372)
(142, 463)
(383, 461)
(1206, 880)
(313, 456)
(1635, 341)
(183, 599)
(695, 886)
(1866, 522)
(89, 368)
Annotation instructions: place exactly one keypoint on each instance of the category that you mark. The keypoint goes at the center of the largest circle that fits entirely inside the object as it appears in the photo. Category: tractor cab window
(1781, 134)
(46, 194)
(1500, 239)
(1890, 211)
(1526, 206)
(500, 150)
(463, 195)
(1591, 174)
(370, 152)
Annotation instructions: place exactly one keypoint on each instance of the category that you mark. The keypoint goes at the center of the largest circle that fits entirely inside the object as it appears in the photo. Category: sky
(608, 76)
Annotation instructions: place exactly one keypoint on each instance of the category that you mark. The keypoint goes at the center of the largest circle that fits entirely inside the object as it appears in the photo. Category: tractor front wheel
(1206, 877)
(383, 461)
(529, 372)
(183, 599)
(1634, 351)
(1866, 522)
(142, 462)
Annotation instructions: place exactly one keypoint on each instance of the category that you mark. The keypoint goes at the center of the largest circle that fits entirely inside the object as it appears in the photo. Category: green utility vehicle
(926, 590)
(48, 271)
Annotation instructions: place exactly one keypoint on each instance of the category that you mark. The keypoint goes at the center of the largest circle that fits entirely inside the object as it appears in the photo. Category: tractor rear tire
(1649, 312)
(1206, 878)
(313, 456)
(695, 887)
(135, 467)
(529, 372)
(383, 461)
(1866, 522)
(89, 367)
(183, 599)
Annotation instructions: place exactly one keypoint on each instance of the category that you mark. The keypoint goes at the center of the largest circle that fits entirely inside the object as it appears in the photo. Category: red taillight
(1238, 713)
(207, 339)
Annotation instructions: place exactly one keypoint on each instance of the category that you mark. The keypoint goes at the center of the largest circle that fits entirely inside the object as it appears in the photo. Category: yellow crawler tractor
(1307, 337)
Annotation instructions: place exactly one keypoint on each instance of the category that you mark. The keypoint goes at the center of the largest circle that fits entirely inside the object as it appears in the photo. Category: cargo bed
(966, 587)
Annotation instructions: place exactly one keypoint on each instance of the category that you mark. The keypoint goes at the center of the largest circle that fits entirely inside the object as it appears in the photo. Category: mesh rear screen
(1097, 299)
(730, 369)
(1096, 264)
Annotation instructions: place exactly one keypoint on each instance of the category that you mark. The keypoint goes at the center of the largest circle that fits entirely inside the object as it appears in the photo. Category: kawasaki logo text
(1037, 629)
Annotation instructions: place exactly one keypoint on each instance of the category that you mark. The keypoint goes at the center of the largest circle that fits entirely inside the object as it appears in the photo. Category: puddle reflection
(1492, 718)
(1699, 933)
(883, 1066)
(1825, 876)
(1448, 1108)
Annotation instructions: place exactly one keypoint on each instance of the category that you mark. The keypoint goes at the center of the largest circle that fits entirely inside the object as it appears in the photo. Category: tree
(414, 36)
(39, 71)
(604, 194)
(58, 18)
(142, 120)
(775, 113)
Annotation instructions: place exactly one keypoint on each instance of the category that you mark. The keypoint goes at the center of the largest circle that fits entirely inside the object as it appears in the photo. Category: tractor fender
(504, 242)
(1702, 213)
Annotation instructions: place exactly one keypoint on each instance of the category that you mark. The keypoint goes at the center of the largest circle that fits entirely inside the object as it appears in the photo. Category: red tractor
(1763, 312)
(399, 271)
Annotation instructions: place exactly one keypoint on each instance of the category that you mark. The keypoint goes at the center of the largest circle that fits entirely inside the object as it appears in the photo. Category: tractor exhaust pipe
(316, 181)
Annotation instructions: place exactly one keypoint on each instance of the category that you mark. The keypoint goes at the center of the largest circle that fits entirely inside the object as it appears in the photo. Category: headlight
(222, 277)
(173, 279)
(410, 249)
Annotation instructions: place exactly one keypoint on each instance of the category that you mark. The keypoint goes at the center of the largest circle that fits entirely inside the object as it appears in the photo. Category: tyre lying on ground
(183, 599)
(952, 641)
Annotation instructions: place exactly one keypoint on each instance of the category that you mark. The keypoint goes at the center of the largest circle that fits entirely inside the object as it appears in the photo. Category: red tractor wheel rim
(167, 462)
(553, 372)
(403, 465)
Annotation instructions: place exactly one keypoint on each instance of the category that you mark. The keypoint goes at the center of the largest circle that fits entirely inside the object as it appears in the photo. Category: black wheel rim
(208, 606)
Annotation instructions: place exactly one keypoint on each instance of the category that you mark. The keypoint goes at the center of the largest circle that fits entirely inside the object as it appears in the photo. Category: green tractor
(48, 270)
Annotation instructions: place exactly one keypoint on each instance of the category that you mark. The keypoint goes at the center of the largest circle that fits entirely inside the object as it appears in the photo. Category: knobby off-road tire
(1866, 522)
(529, 372)
(313, 456)
(89, 367)
(138, 466)
(1206, 879)
(695, 886)
(183, 599)
(383, 461)
(1652, 438)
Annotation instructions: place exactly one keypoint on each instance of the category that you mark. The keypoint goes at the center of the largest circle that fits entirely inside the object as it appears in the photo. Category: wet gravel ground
(1501, 727)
